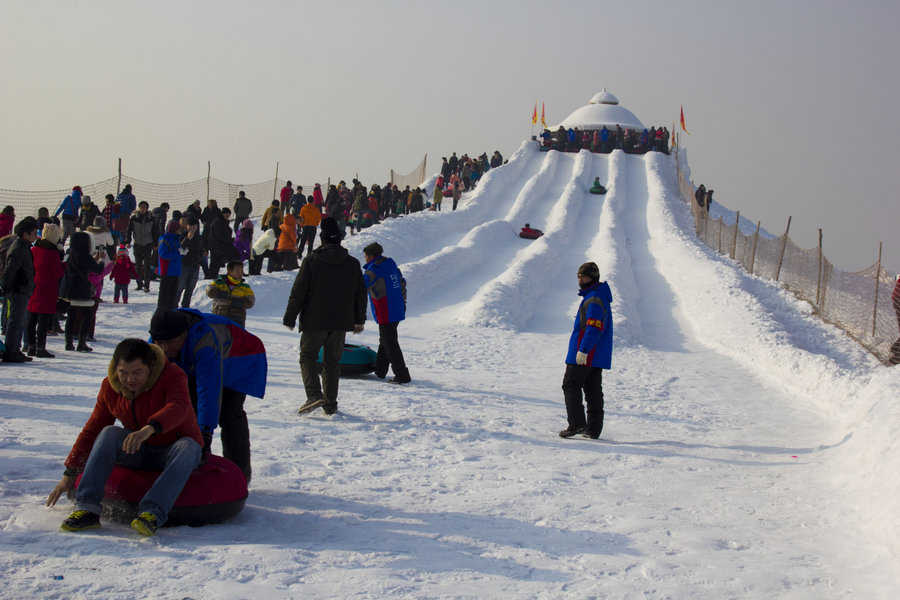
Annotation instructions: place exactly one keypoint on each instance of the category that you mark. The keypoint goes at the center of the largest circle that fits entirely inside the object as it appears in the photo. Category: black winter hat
(331, 232)
(167, 324)
(590, 269)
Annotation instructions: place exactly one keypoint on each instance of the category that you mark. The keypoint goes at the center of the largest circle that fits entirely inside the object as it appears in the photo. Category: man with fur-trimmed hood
(149, 396)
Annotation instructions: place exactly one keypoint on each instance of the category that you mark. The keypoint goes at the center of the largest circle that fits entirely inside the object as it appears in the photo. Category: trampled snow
(749, 449)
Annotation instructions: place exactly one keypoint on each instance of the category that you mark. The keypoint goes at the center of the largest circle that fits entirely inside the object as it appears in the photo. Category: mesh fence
(178, 195)
(859, 303)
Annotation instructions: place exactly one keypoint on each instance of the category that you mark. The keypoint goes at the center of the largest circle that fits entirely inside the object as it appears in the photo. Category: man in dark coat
(142, 236)
(242, 208)
(329, 297)
(221, 243)
(18, 284)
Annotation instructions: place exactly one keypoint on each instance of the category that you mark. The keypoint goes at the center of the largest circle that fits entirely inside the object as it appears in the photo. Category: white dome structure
(603, 111)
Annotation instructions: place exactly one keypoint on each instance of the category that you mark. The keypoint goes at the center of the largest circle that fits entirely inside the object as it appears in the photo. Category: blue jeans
(176, 461)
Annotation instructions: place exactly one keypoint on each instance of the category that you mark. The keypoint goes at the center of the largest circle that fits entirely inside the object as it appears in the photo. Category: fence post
(753, 254)
(719, 249)
(819, 282)
(119, 182)
(208, 173)
(275, 186)
(783, 248)
(737, 224)
(877, 285)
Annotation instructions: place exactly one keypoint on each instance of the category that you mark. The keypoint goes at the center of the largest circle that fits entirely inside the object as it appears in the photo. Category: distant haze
(790, 105)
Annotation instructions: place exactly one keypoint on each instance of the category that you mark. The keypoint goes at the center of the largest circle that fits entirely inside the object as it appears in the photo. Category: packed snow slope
(749, 449)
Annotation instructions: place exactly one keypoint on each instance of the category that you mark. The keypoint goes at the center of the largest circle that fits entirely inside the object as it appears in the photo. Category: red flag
(682, 122)
(543, 121)
(534, 114)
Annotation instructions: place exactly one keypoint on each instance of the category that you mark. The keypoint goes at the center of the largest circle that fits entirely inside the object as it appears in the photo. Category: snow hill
(749, 449)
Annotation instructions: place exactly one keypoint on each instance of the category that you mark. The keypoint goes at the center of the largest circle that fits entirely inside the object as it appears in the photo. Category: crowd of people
(605, 140)
(170, 394)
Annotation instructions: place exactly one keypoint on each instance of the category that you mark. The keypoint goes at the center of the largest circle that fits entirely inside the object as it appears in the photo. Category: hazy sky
(792, 106)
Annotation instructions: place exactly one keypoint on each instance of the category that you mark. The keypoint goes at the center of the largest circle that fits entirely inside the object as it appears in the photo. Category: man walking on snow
(329, 297)
(590, 351)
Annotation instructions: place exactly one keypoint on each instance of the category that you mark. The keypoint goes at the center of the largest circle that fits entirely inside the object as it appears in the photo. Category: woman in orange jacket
(287, 242)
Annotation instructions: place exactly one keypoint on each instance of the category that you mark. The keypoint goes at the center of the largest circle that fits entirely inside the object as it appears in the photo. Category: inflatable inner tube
(356, 359)
(598, 189)
(530, 234)
(213, 493)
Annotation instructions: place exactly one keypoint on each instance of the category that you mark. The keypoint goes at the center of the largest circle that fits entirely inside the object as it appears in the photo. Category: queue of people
(605, 140)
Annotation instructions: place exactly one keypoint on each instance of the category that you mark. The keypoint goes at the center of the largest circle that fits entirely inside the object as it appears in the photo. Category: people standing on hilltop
(287, 241)
(243, 239)
(286, 192)
(48, 269)
(79, 291)
(221, 243)
(310, 217)
(69, 208)
(192, 253)
(17, 283)
(243, 207)
(89, 211)
(122, 273)
(7, 220)
(298, 200)
(170, 254)
(142, 235)
(590, 351)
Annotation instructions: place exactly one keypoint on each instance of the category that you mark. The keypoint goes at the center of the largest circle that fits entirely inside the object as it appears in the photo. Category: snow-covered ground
(749, 449)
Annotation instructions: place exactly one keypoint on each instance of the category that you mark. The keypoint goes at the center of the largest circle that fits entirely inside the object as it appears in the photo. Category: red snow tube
(214, 492)
(530, 234)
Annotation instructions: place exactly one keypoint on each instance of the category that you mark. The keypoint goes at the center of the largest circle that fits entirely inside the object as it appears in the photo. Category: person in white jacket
(263, 247)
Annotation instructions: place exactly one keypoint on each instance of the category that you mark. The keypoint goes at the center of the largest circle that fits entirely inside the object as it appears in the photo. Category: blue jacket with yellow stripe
(593, 330)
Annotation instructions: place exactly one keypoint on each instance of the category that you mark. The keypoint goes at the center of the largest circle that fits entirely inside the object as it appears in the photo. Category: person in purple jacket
(590, 351)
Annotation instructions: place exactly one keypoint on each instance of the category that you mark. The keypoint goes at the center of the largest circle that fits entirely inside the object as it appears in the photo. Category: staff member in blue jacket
(590, 351)
(224, 363)
(387, 296)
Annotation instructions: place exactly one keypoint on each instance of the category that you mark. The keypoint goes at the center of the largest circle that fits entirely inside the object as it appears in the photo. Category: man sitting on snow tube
(597, 188)
(530, 234)
(150, 396)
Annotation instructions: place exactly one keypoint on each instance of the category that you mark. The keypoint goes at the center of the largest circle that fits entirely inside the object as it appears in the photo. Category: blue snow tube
(356, 359)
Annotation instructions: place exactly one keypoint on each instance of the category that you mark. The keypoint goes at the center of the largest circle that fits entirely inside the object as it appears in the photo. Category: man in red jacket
(149, 395)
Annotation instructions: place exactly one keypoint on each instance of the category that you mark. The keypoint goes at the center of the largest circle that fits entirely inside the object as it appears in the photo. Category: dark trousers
(235, 430)
(16, 315)
(168, 292)
(389, 353)
(288, 260)
(332, 343)
(583, 382)
(78, 324)
(36, 329)
(309, 238)
(187, 281)
(142, 260)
